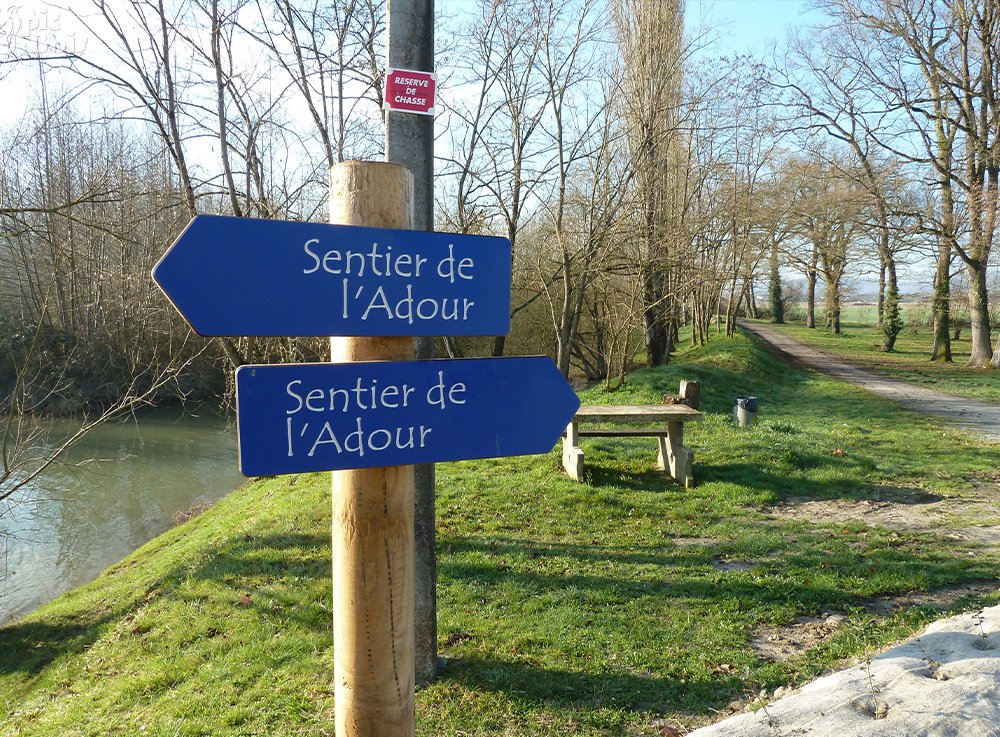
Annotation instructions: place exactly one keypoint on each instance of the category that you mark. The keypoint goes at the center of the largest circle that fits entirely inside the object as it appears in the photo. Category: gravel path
(978, 418)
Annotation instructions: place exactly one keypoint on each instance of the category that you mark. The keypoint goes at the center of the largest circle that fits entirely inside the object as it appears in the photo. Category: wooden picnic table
(669, 432)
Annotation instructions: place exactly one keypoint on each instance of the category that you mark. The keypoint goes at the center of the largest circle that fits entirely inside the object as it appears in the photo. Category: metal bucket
(745, 411)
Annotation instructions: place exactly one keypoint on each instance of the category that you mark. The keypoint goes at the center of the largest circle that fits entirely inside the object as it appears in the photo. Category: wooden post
(663, 454)
(679, 458)
(572, 456)
(691, 393)
(373, 511)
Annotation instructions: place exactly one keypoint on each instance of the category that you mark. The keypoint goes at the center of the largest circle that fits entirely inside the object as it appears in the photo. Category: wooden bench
(673, 456)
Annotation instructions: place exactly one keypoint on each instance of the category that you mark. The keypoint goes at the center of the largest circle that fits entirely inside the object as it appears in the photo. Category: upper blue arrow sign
(328, 416)
(240, 276)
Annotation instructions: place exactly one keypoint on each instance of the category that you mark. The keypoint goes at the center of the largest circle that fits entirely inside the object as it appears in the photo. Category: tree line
(647, 183)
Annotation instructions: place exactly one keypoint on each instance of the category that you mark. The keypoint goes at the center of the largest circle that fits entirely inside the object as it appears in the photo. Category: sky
(748, 26)
(736, 26)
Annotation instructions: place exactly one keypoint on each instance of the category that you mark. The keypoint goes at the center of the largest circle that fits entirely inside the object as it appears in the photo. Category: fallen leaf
(662, 729)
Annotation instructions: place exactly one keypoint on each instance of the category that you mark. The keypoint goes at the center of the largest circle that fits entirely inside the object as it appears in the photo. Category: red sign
(410, 91)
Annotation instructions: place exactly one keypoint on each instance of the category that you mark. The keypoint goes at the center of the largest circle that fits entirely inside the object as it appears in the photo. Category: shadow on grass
(708, 586)
(272, 562)
(606, 472)
(849, 481)
(29, 647)
(252, 557)
(660, 555)
(598, 473)
(809, 570)
(572, 689)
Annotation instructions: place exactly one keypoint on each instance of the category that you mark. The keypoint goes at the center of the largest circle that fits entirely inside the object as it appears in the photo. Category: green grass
(564, 608)
(909, 361)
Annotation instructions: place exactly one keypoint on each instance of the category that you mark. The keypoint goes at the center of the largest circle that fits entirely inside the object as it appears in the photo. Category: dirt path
(978, 418)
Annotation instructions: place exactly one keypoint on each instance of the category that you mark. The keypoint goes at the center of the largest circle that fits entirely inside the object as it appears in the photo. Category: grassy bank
(909, 361)
(589, 609)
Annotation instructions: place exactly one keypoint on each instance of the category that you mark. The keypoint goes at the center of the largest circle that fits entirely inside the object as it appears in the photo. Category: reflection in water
(118, 488)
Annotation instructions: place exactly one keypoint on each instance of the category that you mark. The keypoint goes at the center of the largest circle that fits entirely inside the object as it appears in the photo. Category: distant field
(865, 314)
(860, 342)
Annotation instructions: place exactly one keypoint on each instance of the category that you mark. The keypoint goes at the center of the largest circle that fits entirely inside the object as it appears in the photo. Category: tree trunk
(835, 317)
(731, 310)
(833, 285)
(979, 316)
(752, 304)
(774, 293)
(655, 334)
(176, 142)
(705, 311)
(452, 348)
(570, 323)
(811, 299)
(882, 289)
(890, 322)
(499, 343)
(220, 108)
(942, 306)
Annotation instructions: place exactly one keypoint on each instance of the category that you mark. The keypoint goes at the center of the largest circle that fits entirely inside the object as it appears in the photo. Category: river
(122, 485)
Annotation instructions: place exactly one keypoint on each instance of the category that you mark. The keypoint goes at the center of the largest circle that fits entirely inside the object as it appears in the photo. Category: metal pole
(409, 140)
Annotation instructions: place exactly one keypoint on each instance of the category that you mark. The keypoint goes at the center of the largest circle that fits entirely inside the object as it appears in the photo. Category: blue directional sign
(328, 416)
(240, 276)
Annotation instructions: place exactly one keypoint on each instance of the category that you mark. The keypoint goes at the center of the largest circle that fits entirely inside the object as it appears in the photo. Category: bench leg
(572, 457)
(675, 457)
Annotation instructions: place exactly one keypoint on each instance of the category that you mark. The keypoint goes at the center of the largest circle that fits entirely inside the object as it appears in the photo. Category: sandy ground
(944, 682)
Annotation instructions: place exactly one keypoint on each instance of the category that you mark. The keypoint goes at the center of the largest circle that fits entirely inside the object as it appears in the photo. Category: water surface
(122, 485)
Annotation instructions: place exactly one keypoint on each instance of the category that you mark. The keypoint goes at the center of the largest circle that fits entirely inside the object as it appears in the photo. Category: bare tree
(82, 327)
(332, 54)
(828, 214)
(945, 90)
(499, 150)
(28, 447)
(650, 36)
(832, 97)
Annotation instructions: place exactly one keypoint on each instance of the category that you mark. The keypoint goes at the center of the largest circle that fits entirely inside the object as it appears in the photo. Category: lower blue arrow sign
(328, 416)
